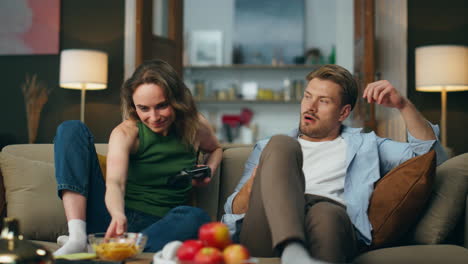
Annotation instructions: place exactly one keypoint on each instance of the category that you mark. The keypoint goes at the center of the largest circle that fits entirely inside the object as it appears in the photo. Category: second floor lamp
(442, 68)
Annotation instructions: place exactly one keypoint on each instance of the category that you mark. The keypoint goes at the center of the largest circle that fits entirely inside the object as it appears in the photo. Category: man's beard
(306, 132)
(303, 127)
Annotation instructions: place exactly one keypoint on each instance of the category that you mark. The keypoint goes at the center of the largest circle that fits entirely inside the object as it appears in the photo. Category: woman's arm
(121, 143)
(208, 143)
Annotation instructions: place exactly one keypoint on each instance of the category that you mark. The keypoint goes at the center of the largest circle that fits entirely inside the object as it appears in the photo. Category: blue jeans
(77, 169)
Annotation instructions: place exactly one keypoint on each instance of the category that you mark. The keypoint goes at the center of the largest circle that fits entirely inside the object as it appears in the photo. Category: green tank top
(158, 157)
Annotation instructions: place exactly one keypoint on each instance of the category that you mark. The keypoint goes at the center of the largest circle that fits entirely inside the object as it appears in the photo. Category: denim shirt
(368, 157)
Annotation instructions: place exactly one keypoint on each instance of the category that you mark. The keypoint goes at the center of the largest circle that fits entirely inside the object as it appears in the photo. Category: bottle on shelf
(298, 89)
(287, 90)
(332, 56)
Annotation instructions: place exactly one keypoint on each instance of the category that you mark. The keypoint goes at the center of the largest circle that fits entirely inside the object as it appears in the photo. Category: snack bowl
(117, 248)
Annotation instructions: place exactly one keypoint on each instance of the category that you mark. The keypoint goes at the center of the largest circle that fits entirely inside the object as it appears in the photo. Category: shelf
(253, 67)
(214, 101)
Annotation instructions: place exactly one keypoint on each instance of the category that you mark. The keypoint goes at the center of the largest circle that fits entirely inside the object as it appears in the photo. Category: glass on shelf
(199, 89)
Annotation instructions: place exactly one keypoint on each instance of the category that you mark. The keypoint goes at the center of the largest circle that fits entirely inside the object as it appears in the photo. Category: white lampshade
(442, 67)
(83, 69)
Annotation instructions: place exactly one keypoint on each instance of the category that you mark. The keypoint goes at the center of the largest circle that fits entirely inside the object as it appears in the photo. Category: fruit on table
(209, 255)
(188, 250)
(235, 254)
(214, 234)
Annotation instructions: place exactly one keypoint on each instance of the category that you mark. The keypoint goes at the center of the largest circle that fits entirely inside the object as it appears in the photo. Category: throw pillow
(103, 164)
(447, 202)
(399, 197)
(31, 197)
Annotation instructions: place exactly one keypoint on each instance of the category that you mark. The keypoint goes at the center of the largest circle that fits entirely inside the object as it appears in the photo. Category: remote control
(196, 173)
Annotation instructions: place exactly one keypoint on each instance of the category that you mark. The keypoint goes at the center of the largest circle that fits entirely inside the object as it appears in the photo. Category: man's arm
(240, 204)
(383, 93)
(249, 171)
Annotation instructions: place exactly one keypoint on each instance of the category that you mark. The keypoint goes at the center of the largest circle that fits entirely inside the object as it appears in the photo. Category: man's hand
(240, 204)
(383, 93)
(117, 226)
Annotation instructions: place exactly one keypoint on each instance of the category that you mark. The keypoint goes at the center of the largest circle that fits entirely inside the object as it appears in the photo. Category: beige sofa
(27, 192)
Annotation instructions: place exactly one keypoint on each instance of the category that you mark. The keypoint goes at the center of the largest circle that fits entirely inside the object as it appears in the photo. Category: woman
(161, 136)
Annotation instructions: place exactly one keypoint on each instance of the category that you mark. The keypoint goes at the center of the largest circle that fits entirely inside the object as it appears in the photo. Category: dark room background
(100, 25)
(433, 22)
(85, 24)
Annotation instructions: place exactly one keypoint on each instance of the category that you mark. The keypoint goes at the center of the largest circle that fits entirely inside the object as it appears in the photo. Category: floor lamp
(442, 68)
(83, 70)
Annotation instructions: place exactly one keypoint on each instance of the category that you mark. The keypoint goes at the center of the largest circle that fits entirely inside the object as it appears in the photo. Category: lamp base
(82, 108)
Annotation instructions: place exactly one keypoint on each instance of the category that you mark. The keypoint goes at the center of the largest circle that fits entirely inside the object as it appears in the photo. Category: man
(308, 193)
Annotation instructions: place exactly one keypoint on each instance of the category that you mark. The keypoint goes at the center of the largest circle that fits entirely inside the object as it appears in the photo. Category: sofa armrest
(465, 240)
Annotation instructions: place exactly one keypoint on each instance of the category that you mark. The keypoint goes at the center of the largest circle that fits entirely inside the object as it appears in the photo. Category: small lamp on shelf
(83, 70)
(442, 68)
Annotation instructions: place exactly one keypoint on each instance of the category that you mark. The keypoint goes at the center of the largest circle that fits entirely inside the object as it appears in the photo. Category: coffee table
(146, 258)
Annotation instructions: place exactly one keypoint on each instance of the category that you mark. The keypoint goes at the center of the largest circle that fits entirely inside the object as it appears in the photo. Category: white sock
(61, 240)
(77, 240)
(295, 253)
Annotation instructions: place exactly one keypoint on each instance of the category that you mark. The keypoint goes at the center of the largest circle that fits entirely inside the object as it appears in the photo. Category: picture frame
(29, 27)
(206, 48)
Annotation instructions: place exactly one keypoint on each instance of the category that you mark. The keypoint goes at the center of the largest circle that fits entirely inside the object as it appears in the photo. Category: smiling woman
(160, 137)
(153, 109)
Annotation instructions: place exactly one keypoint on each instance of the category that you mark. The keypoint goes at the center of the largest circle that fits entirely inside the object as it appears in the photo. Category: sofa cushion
(31, 197)
(103, 164)
(399, 197)
(446, 204)
(427, 254)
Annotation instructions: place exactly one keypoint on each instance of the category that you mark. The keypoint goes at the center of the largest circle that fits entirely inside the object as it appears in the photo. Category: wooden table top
(146, 258)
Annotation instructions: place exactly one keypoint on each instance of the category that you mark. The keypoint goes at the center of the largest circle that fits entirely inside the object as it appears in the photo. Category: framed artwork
(29, 27)
(206, 47)
(269, 32)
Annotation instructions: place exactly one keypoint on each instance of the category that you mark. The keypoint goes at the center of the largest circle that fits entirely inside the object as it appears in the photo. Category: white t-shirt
(325, 167)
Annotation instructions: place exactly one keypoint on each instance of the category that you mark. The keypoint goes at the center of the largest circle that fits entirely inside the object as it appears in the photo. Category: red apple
(188, 250)
(235, 254)
(214, 234)
(209, 255)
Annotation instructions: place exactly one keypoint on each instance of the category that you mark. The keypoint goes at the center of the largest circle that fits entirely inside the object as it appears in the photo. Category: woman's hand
(117, 226)
(205, 181)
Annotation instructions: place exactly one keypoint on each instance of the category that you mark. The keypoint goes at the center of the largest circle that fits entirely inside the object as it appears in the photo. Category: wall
(83, 24)
(391, 30)
(211, 15)
(439, 22)
(331, 23)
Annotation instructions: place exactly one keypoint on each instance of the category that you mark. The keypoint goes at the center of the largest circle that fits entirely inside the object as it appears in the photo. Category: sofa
(28, 193)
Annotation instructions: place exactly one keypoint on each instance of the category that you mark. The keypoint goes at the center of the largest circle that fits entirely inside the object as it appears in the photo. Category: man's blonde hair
(340, 76)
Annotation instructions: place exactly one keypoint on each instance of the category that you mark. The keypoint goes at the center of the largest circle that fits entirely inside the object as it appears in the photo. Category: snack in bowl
(119, 247)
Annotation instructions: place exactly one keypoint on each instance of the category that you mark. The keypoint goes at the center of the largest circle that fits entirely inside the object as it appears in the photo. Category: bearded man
(305, 196)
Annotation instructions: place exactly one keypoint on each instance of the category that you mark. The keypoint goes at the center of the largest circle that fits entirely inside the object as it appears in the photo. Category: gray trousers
(280, 212)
